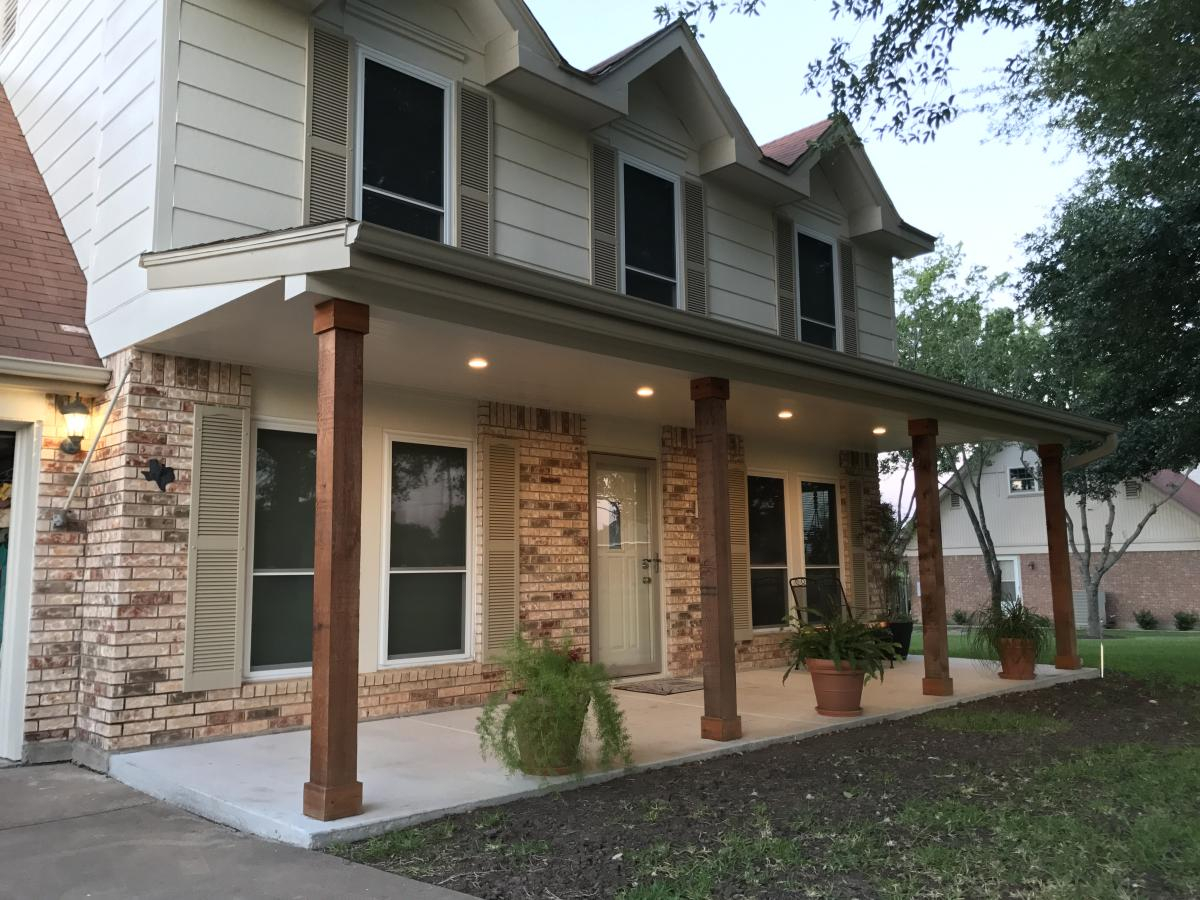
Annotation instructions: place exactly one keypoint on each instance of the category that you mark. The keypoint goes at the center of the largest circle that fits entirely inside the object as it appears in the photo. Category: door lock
(654, 559)
(646, 579)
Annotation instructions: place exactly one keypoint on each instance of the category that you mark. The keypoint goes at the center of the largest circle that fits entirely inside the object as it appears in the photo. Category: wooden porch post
(721, 721)
(1066, 651)
(937, 681)
(333, 790)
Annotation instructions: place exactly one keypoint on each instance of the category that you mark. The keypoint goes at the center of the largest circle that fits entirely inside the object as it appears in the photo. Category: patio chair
(826, 596)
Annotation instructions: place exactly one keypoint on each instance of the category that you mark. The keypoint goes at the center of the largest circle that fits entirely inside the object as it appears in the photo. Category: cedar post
(721, 721)
(333, 790)
(937, 681)
(1066, 651)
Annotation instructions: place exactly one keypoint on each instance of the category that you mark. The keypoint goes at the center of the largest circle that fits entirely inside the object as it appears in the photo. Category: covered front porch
(417, 768)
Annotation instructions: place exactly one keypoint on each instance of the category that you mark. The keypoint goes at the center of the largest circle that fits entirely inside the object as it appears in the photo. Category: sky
(965, 185)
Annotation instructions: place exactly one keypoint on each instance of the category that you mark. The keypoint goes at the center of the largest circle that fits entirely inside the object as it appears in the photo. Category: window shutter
(857, 590)
(327, 167)
(739, 555)
(785, 277)
(849, 298)
(216, 549)
(695, 248)
(474, 170)
(501, 554)
(604, 217)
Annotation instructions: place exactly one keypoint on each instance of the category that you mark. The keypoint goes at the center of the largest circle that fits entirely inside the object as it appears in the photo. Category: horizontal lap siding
(876, 316)
(239, 133)
(741, 259)
(541, 193)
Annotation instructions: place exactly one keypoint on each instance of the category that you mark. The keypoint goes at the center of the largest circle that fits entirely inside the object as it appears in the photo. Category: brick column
(937, 681)
(333, 790)
(721, 721)
(1066, 652)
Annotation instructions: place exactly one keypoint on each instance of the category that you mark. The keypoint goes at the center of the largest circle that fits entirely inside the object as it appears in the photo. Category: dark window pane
(768, 531)
(425, 614)
(820, 335)
(285, 485)
(768, 597)
(814, 266)
(408, 217)
(403, 132)
(820, 524)
(823, 595)
(649, 288)
(281, 621)
(429, 506)
(649, 222)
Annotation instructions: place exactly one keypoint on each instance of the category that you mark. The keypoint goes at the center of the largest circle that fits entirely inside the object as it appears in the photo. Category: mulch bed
(585, 842)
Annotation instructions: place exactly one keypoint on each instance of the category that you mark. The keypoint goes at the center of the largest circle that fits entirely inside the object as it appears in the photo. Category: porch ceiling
(560, 344)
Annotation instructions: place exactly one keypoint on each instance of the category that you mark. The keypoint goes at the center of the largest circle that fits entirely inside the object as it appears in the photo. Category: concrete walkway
(421, 767)
(68, 833)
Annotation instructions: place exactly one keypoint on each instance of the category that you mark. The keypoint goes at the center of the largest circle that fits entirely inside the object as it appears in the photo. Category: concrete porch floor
(420, 767)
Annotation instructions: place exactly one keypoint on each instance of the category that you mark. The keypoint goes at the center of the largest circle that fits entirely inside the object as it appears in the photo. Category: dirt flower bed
(1090, 789)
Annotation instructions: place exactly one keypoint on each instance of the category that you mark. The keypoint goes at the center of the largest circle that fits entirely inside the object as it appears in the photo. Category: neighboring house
(1160, 572)
(559, 272)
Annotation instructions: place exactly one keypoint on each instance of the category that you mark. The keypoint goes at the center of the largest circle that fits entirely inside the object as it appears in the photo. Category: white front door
(625, 566)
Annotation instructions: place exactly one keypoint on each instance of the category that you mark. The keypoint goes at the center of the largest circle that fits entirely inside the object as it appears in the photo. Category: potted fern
(1011, 633)
(840, 655)
(535, 723)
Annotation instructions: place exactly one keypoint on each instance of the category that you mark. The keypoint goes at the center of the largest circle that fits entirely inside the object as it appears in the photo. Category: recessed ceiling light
(878, 429)
(477, 362)
(645, 391)
(785, 414)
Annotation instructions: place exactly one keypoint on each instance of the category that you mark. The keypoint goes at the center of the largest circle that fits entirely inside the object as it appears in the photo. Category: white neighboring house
(1160, 572)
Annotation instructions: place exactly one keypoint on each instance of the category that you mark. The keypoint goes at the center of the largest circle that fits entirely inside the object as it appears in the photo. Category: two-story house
(588, 362)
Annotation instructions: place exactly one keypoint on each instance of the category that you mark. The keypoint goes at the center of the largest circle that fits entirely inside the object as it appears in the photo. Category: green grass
(1159, 655)
(991, 721)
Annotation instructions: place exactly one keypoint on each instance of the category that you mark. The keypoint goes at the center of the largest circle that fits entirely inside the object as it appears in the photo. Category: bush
(864, 646)
(991, 624)
(1145, 619)
(1186, 621)
(959, 617)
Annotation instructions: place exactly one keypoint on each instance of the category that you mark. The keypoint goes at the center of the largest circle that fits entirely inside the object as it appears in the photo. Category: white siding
(876, 308)
(741, 259)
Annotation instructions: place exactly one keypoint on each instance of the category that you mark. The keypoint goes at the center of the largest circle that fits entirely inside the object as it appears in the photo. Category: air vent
(8, 30)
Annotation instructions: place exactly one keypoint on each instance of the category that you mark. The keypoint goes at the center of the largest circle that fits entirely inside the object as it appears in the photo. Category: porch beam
(937, 681)
(720, 721)
(1066, 650)
(333, 790)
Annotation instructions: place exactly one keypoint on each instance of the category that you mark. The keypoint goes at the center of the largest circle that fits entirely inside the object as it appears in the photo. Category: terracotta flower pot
(549, 745)
(1017, 658)
(838, 688)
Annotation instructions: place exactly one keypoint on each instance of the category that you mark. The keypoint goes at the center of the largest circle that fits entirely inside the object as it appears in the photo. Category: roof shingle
(789, 148)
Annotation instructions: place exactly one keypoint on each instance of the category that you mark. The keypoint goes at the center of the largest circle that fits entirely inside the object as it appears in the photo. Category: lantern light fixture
(75, 413)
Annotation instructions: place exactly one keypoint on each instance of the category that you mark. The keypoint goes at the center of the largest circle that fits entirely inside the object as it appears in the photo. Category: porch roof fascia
(368, 263)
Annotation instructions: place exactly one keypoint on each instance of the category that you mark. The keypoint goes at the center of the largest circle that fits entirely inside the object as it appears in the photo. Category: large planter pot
(549, 741)
(902, 635)
(838, 688)
(1017, 658)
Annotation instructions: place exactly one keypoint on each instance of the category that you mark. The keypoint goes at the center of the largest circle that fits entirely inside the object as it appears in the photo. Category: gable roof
(1188, 495)
(42, 289)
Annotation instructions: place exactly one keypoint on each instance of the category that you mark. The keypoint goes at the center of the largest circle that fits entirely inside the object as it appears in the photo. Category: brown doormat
(662, 686)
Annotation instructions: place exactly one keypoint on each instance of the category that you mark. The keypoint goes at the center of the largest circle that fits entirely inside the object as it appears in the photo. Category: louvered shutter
(857, 590)
(474, 170)
(695, 248)
(739, 553)
(216, 549)
(327, 166)
(849, 298)
(785, 277)
(604, 217)
(501, 554)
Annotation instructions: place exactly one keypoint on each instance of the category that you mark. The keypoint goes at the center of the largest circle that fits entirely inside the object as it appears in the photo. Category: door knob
(654, 559)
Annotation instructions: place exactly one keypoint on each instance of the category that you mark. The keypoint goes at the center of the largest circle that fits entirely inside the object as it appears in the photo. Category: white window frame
(797, 230)
(789, 537)
(447, 86)
(470, 604)
(842, 534)
(1016, 561)
(622, 161)
(268, 423)
(1036, 492)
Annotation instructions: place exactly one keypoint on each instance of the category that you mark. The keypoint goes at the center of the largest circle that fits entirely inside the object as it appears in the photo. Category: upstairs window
(650, 238)
(816, 291)
(403, 120)
(1023, 480)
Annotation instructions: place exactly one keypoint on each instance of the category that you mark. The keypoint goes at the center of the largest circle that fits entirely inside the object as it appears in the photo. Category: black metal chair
(826, 596)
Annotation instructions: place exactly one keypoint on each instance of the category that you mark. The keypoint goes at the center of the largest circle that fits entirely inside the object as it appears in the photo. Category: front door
(625, 566)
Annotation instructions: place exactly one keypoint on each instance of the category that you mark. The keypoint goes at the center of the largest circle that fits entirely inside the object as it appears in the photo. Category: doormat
(662, 686)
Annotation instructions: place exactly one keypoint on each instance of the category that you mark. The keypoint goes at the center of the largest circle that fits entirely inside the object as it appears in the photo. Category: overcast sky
(965, 185)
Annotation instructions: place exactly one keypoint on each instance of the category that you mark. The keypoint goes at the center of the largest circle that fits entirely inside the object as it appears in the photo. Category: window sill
(418, 662)
(265, 675)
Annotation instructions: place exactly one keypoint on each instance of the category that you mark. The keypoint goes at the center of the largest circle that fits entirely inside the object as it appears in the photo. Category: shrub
(865, 647)
(1145, 619)
(1186, 621)
(959, 617)
(991, 624)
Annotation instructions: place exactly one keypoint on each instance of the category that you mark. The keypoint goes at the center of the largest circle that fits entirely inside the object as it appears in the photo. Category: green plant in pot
(1011, 633)
(536, 722)
(840, 654)
(899, 624)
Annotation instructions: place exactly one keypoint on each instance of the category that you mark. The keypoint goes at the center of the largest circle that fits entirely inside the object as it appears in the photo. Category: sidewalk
(68, 833)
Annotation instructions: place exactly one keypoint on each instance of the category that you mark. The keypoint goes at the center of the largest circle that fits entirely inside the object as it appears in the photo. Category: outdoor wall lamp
(75, 413)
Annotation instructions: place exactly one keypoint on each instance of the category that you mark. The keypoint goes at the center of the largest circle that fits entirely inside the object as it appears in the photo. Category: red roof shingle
(789, 148)
(42, 289)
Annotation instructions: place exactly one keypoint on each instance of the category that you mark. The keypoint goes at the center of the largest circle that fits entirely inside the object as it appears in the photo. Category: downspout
(59, 519)
(1079, 460)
